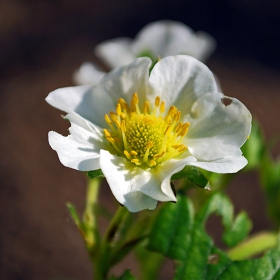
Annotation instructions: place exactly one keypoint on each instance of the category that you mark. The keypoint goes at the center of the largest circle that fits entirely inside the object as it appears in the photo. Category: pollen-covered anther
(124, 104)
(110, 139)
(127, 154)
(122, 126)
(176, 146)
(182, 149)
(186, 125)
(123, 115)
(107, 119)
(183, 129)
(157, 101)
(162, 107)
(153, 163)
(117, 122)
(118, 109)
(171, 112)
(134, 103)
(146, 108)
(107, 133)
(135, 98)
(178, 127)
(177, 116)
(169, 121)
(167, 130)
(133, 153)
(159, 155)
(113, 116)
(136, 161)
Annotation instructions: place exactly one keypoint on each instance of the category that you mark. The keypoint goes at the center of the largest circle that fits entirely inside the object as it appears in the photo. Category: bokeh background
(41, 44)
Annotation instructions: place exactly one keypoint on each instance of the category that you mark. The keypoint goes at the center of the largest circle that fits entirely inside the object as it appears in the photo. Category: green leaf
(270, 179)
(180, 235)
(239, 230)
(193, 174)
(174, 220)
(254, 147)
(265, 268)
(95, 173)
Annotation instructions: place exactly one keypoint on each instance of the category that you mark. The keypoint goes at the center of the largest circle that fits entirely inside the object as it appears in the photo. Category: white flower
(88, 74)
(157, 39)
(153, 127)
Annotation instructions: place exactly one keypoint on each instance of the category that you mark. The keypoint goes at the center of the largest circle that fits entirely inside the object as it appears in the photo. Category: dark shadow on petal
(95, 100)
(87, 163)
(226, 100)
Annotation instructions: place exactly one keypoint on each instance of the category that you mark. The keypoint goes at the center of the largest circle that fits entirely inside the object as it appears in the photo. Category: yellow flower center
(146, 137)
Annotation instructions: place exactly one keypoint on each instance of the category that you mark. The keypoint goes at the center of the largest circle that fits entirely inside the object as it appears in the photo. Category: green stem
(103, 258)
(115, 223)
(101, 262)
(255, 245)
(133, 232)
(90, 228)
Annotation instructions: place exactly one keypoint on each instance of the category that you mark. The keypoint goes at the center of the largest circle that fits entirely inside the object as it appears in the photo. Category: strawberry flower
(157, 39)
(142, 128)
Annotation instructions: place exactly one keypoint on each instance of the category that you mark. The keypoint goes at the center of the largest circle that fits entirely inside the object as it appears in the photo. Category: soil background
(41, 44)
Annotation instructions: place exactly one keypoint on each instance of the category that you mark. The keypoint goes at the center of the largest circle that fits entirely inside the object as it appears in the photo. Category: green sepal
(147, 53)
(194, 176)
(95, 173)
(74, 215)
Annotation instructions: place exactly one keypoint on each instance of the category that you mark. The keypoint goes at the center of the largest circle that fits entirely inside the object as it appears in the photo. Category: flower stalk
(102, 259)
(90, 227)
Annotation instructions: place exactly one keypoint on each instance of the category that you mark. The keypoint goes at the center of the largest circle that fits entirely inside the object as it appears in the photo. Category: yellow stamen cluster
(146, 137)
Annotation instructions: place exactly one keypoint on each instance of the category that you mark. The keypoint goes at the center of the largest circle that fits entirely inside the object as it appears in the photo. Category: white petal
(163, 173)
(229, 164)
(122, 82)
(68, 98)
(204, 46)
(97, 138)
(115, 52)
(137, 201)
(89, 102)
(218, 130)
(87, 74)
(80, 149)
(164, 38)
(180, 80)
(92, 102)
(124, 180)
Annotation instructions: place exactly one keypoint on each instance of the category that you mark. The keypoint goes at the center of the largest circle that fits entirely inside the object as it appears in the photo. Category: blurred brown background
(41, 44)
